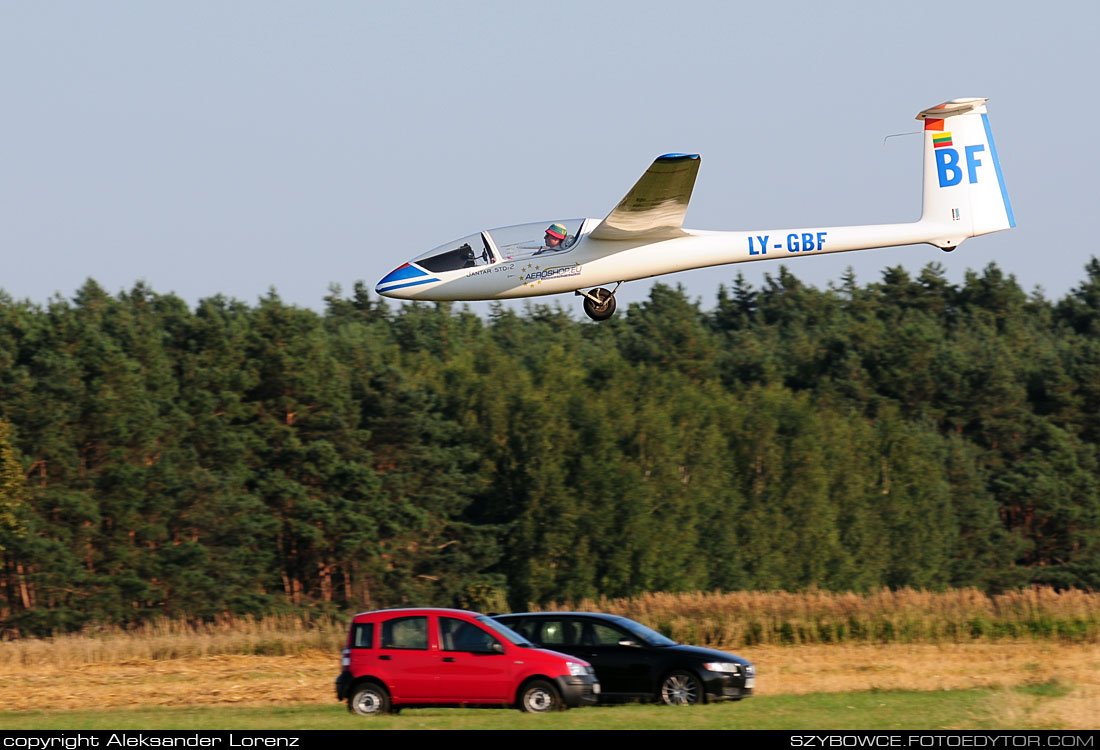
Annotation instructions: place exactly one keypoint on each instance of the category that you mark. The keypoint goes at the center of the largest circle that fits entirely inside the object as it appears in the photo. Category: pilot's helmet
(556, 230)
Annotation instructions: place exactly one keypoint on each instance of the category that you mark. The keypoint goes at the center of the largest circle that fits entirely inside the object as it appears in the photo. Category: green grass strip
(875, 710)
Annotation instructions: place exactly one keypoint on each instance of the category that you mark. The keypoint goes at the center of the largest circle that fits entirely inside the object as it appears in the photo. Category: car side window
(459, 635)
(597, 634)
(526, 628)
(554, 632)
(362, 635)
(406, 633)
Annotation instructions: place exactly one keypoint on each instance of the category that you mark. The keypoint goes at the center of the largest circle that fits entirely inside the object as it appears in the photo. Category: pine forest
(159, 460)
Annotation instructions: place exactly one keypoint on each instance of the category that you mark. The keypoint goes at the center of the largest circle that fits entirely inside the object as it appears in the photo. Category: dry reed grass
(165, 639)
(735, 620)
(748, 618)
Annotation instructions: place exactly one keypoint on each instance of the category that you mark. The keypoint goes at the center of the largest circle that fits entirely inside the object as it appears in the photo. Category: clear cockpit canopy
(467, 252)
(527, 240)
(500, 245)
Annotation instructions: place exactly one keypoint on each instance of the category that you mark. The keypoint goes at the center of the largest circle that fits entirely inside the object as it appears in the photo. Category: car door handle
(385, 658)
(448, 658)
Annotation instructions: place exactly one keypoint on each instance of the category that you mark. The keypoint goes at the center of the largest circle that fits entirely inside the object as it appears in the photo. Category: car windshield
(649, 635)
(505, 631)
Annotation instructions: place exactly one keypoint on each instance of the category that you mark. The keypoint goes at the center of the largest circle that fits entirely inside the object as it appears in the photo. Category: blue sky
(232, 147)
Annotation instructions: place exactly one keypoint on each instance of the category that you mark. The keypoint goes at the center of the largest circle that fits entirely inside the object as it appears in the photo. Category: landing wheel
(604, 309)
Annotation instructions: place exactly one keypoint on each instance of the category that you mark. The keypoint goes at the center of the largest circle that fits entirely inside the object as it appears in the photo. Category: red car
(397, 658)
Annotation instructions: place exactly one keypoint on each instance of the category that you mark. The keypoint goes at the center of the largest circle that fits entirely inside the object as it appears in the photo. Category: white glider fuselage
(964, 195)
(594, 262)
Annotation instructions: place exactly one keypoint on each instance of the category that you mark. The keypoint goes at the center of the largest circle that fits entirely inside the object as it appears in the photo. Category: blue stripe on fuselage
(380, 290)
(406, 271)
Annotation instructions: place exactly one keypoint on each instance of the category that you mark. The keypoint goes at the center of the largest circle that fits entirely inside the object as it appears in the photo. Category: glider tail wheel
(599, 304)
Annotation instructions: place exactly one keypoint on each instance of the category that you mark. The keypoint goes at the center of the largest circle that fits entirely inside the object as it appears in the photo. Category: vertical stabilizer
(964, 189)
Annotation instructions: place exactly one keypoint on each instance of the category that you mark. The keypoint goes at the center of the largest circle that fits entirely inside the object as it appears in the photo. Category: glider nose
(399, 279)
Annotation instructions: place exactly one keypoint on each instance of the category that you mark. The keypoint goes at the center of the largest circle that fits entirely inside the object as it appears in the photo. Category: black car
(633, 662)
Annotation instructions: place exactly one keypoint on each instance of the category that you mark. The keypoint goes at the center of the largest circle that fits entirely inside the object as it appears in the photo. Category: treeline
(158, 460)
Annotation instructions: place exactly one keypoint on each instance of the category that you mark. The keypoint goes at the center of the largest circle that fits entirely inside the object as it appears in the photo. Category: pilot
(554, 239)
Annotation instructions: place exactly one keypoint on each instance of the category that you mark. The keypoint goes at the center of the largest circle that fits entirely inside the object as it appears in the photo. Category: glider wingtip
(677, 157)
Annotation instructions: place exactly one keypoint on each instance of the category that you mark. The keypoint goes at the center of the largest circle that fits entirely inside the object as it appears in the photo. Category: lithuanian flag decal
(939, 140)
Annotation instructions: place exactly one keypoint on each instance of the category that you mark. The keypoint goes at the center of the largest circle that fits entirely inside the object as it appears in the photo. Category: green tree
(12, 489)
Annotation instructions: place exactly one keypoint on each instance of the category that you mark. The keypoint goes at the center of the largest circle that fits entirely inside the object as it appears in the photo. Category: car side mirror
(628, 642)
(492, 648)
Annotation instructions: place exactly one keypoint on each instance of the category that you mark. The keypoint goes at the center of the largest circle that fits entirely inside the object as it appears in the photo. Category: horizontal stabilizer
(952, 108)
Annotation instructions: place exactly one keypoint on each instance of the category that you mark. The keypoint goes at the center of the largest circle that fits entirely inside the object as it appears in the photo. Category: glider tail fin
(964, 190)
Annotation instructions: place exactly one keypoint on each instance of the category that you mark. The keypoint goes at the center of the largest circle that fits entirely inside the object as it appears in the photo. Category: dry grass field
(307, 677)
(813, 642)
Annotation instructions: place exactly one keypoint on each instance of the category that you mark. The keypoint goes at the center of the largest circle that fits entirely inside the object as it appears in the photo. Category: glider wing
(654, 208)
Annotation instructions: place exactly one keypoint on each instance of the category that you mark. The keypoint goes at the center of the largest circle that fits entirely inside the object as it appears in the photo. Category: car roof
(420, 611)
(596, 615)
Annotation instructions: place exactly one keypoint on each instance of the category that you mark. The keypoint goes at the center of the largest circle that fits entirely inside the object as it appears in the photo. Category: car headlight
(578, 670)
(722, 666)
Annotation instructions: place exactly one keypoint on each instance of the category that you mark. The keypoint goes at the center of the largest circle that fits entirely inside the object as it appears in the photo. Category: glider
(643, 236)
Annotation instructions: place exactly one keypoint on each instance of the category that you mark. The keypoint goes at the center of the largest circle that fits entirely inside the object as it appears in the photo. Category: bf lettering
(948, 168)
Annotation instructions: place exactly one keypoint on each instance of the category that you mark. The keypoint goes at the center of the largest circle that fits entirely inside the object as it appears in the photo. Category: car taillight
(345, 658)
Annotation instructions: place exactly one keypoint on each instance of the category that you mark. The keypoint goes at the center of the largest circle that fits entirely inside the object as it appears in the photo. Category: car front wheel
(680, 688)
(539, 697)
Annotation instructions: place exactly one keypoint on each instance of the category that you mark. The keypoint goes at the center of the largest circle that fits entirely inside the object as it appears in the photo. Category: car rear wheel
(680, 688)
(369, 699)
(539, 697)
